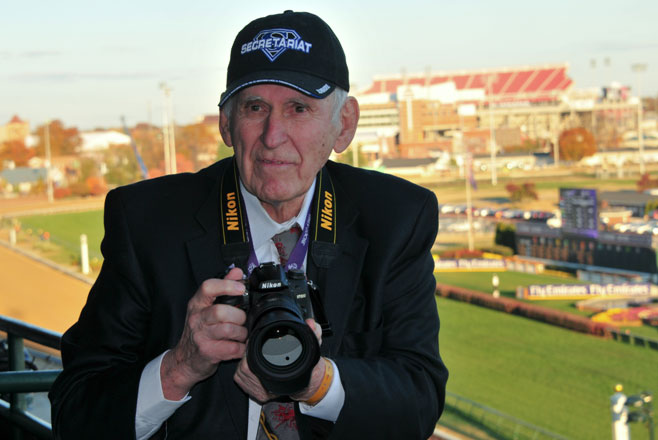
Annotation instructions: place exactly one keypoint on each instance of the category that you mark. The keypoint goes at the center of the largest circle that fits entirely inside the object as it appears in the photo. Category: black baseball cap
(293, 49)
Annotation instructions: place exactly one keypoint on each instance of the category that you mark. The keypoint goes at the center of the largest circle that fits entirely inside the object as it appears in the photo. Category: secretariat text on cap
(294, 49)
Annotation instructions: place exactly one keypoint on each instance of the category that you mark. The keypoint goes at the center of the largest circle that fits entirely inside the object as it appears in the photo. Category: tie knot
(285, 242)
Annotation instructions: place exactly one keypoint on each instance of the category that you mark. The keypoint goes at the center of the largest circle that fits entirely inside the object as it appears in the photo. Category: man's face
(281, 139)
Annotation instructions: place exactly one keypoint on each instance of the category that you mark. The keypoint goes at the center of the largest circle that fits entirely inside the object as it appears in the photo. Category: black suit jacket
(162, 240)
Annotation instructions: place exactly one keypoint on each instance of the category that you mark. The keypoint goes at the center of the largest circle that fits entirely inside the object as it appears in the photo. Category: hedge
(543, 314)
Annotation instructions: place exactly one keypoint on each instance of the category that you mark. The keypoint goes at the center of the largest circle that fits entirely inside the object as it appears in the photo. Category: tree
(646, 182)
(63, 141)
(122, 167)
(17, 152)
(576, 143)
(650, 207)
(195, 141)
(525, 191)
(506, 235)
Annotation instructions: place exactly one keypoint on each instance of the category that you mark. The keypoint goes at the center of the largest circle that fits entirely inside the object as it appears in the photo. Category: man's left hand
(251, 385)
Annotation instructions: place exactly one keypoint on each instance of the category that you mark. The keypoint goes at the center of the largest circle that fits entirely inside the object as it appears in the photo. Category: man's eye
(300, 109)
(255, 107)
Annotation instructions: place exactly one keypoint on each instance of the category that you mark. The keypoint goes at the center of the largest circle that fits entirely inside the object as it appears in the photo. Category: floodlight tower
(639, 68)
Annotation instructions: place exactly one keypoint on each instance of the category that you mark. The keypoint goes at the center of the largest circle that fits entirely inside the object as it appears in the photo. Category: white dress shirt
(152, 407)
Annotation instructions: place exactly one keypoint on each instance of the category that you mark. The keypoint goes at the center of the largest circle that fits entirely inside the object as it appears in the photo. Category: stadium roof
(507, 84)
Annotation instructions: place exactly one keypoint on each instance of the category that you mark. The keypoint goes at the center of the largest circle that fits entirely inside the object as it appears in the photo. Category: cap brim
(307, 84)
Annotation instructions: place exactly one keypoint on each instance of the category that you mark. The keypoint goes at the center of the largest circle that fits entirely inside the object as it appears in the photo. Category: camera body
(282, 348)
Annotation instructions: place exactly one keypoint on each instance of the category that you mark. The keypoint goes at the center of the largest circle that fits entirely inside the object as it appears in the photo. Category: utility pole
(168, 134)
(49, 177)
(639, 68)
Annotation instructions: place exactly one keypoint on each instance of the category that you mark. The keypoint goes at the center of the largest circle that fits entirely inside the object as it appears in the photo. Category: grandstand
(529, 84)
(427, 114)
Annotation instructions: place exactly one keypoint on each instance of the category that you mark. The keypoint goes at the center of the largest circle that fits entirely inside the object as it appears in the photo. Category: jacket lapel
(206, 261)
(336, 269)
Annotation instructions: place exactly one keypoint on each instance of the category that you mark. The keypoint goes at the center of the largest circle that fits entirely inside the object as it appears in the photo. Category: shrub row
(543, 314)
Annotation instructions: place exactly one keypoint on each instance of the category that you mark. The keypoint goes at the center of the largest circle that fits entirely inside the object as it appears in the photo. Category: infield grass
(551, 377)
(481, 282)
(65, 230)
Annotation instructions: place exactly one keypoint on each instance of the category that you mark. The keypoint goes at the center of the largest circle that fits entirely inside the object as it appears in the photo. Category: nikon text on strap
(236, 241)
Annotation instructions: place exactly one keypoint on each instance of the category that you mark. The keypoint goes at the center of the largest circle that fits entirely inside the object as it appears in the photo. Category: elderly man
(155, 354)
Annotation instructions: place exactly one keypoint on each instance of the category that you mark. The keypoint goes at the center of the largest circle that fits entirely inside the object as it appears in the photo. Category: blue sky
(87, 63)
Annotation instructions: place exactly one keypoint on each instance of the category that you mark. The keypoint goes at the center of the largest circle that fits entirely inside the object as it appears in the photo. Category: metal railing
(478, 421)
(16, 381)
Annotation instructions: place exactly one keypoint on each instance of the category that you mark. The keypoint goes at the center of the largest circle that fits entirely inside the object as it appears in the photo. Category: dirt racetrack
(38, 294)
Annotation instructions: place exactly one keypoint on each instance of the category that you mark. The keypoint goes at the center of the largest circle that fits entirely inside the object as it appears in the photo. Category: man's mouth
(274, 162)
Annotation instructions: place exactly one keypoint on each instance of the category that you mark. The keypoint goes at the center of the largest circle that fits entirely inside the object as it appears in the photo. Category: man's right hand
(213, 333)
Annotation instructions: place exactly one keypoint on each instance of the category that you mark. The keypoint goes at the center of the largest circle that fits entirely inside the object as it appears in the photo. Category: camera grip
(239, 301)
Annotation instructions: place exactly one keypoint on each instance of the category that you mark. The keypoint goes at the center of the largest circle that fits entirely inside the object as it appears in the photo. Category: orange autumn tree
(576, 143)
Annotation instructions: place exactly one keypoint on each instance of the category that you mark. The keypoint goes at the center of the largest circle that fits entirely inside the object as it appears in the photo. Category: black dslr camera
(282, 349)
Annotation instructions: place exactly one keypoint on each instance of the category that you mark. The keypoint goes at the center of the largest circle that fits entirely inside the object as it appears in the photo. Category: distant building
(422, 115)
(15, 130)
(93, 141)
(21, 179)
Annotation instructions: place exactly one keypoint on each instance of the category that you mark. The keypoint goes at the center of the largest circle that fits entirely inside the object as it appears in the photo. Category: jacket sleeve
(95, 396)
(393, 376)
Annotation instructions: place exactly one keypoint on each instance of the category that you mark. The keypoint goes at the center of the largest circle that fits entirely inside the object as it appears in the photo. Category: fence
(16, 382)
(478, 421)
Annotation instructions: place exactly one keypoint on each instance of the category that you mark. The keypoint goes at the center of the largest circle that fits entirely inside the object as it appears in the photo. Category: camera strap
(237, 245)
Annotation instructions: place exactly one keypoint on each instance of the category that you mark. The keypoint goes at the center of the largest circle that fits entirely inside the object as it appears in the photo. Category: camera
(282, 348)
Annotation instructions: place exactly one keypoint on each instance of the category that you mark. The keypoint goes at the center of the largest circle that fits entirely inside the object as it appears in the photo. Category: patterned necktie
(285, 242)
(277, 419)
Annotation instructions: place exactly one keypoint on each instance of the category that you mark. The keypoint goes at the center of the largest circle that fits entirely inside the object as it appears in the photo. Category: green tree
(506, 235)
(651, 206)
(122, 166)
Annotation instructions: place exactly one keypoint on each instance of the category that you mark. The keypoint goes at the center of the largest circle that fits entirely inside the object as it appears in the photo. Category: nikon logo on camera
(327, 213)
(270, 285)
(232, 220)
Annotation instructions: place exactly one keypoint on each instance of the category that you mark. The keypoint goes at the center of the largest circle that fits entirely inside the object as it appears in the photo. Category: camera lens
(281, 346)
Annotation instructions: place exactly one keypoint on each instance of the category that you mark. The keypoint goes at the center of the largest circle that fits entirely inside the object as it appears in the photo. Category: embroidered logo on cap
(323, 89)
(273, 42)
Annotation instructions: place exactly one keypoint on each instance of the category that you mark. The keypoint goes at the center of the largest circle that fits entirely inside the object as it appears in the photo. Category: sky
(89, 63)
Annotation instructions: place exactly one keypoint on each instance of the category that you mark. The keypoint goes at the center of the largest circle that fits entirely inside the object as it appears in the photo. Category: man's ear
(225, 129)
(349, 117)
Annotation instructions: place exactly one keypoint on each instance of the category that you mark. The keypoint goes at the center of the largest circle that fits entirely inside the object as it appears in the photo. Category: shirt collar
(261, 225)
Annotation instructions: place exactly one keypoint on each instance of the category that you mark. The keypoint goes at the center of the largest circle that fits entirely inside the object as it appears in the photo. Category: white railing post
(84, 254)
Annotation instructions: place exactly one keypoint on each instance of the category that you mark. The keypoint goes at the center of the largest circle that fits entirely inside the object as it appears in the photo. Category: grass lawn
(551, 377)
(65, 230)
(481, 281)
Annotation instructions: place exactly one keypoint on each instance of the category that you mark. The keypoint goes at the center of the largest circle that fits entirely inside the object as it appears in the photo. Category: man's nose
(274, 131)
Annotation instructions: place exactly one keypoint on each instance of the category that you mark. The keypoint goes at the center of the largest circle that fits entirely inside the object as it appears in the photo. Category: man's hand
(251, 385)
(213, 333)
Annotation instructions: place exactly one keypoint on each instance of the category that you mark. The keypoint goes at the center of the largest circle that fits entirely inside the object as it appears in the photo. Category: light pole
(639, 68)
(49, 177)
(491, 79)
(168, 131)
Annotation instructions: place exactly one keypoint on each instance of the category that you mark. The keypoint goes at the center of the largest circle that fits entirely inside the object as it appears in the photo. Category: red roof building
(544, 83)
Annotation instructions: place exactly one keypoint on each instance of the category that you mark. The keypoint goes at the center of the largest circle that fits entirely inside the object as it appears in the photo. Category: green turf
(65, 229)
(481, 282)
(551, 377)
